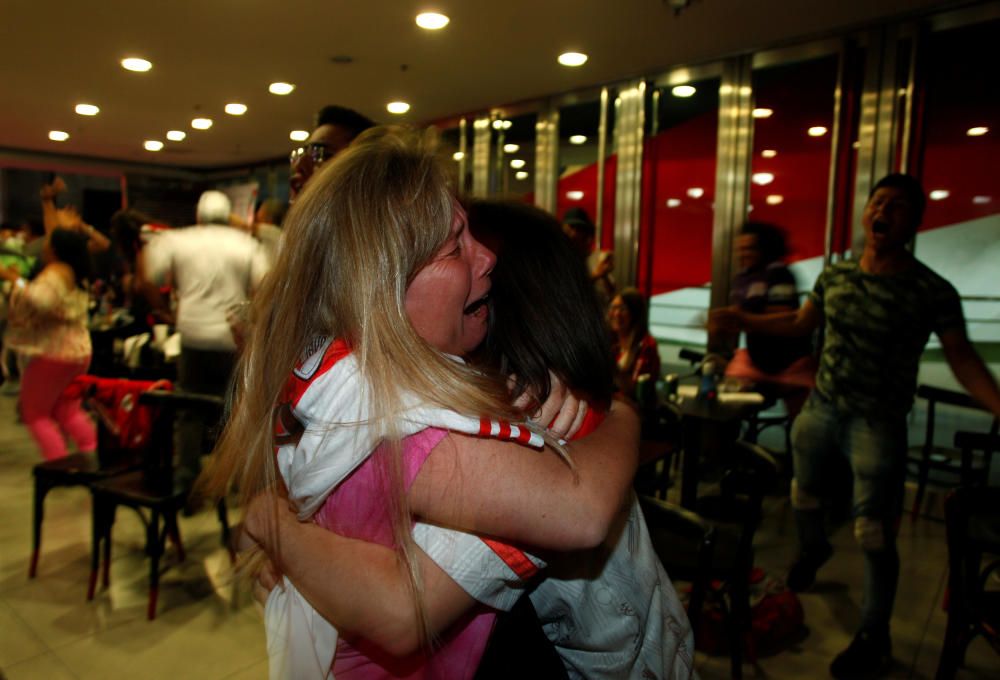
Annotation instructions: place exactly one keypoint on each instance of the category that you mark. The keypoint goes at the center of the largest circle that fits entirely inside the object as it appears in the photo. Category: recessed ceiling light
(398, 108)
(87, 109)
(201, 123)
(816, 131)
(939, 194)
(517, 163)
(574, 195)
(298, 135)
(763, 113)
(762, 178)
(511, 148)
(572, 59)
(235, 109)
(152, 145)
(695, 192)
(977, 131)
(578, 139)
(58, 135)
(768, 153)
(521, 174)
(432, 21)
(176, 135)
(774, 199)
(683, 90)
(458, 155)
(981, 200)
(280, 88)
(673, 202)
(136, 64)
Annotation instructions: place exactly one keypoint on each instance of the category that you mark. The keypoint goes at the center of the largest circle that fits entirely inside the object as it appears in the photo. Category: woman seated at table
(380, 287)
(765, 285)
(636, 351)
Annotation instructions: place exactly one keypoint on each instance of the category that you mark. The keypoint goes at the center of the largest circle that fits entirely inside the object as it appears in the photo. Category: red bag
(115, 401)
(776, 617)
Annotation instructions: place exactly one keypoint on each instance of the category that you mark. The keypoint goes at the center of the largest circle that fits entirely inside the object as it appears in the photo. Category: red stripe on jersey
(485, 427)
(524, 436)
(504, 430)
(513, 558)
(296, 386)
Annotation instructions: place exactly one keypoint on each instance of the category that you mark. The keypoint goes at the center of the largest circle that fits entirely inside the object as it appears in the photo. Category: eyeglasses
(318, 152)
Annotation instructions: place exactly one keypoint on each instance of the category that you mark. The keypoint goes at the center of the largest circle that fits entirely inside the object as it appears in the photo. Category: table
(703, 421)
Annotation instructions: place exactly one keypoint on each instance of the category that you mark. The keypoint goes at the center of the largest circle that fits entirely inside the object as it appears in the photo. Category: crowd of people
(393, 356)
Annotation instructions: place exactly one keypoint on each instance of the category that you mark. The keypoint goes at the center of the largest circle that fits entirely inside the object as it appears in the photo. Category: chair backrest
(972, 520)
(666, 522)
(753, 472)
(970, 442)
(939, 395)
(157, 462)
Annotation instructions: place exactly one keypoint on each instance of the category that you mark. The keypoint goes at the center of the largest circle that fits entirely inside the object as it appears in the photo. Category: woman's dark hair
(770, 240)
(544, 314)
(71, 247)
(126, 230)
(638, 309)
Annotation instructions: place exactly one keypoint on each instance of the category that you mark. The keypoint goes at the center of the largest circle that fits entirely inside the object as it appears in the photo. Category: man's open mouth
(478, 304)
(880, 227)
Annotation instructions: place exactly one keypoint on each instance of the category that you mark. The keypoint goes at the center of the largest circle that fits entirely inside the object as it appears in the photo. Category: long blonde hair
(354, 239)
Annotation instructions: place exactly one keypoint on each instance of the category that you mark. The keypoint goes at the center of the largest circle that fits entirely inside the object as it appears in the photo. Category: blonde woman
(382, 272)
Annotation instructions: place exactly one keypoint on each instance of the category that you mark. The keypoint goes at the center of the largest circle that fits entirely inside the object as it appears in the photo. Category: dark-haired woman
(636, 352)
(48, 326)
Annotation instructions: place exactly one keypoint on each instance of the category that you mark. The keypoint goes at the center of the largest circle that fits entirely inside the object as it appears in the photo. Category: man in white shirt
(212, 268)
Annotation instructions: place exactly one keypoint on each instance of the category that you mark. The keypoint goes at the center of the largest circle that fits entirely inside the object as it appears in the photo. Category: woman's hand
(563, 412)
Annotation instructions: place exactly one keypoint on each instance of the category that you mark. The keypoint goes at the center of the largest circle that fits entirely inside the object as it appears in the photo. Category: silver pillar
(547, 159)
(481, 157)
(628, 183)
(732, 184)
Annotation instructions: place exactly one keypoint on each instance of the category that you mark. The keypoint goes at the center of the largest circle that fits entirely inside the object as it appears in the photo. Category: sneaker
(10, 388)
(802, 574)
(868, 656)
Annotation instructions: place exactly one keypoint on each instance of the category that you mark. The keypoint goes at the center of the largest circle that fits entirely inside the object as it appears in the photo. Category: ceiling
(205, 53)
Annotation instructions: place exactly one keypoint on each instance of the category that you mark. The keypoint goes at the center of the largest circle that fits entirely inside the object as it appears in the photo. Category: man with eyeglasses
(336, 127)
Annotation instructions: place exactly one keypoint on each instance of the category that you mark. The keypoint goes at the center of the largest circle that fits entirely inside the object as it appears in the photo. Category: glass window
(579, 144)
(679, 160)
(514, 151)
(959, 164)
(790, 167)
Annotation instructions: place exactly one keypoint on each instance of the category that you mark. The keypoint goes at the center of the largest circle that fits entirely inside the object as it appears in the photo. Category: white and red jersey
(327, 399)
(322, 435)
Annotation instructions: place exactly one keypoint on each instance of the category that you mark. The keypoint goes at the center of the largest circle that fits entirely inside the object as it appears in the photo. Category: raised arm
(970, 370)
(792, 323)
(532, 497)
(361, 588)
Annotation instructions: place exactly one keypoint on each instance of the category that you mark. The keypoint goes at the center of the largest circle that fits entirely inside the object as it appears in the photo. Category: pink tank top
(357, 509)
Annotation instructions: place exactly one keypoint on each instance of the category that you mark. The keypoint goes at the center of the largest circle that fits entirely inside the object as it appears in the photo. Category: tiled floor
(207, 629)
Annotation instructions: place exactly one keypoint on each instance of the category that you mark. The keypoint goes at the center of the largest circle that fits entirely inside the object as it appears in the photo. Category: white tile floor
(208, 629)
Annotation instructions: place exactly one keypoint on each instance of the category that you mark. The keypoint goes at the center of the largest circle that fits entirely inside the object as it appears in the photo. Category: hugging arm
(361, 588)
(532, 497)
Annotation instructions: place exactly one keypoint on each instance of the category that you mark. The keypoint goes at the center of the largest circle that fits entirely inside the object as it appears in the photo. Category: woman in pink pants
(48, 326)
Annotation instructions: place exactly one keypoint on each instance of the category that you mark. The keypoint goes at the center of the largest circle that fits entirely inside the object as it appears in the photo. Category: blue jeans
(822, 438)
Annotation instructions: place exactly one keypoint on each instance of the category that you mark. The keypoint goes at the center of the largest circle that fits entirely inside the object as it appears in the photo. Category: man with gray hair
(213, 268)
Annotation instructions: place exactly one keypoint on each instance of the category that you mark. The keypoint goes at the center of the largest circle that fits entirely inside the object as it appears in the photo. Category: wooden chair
(113, 457)
(972, 517)
(150, 490)
(929, 456)
(734, 513)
